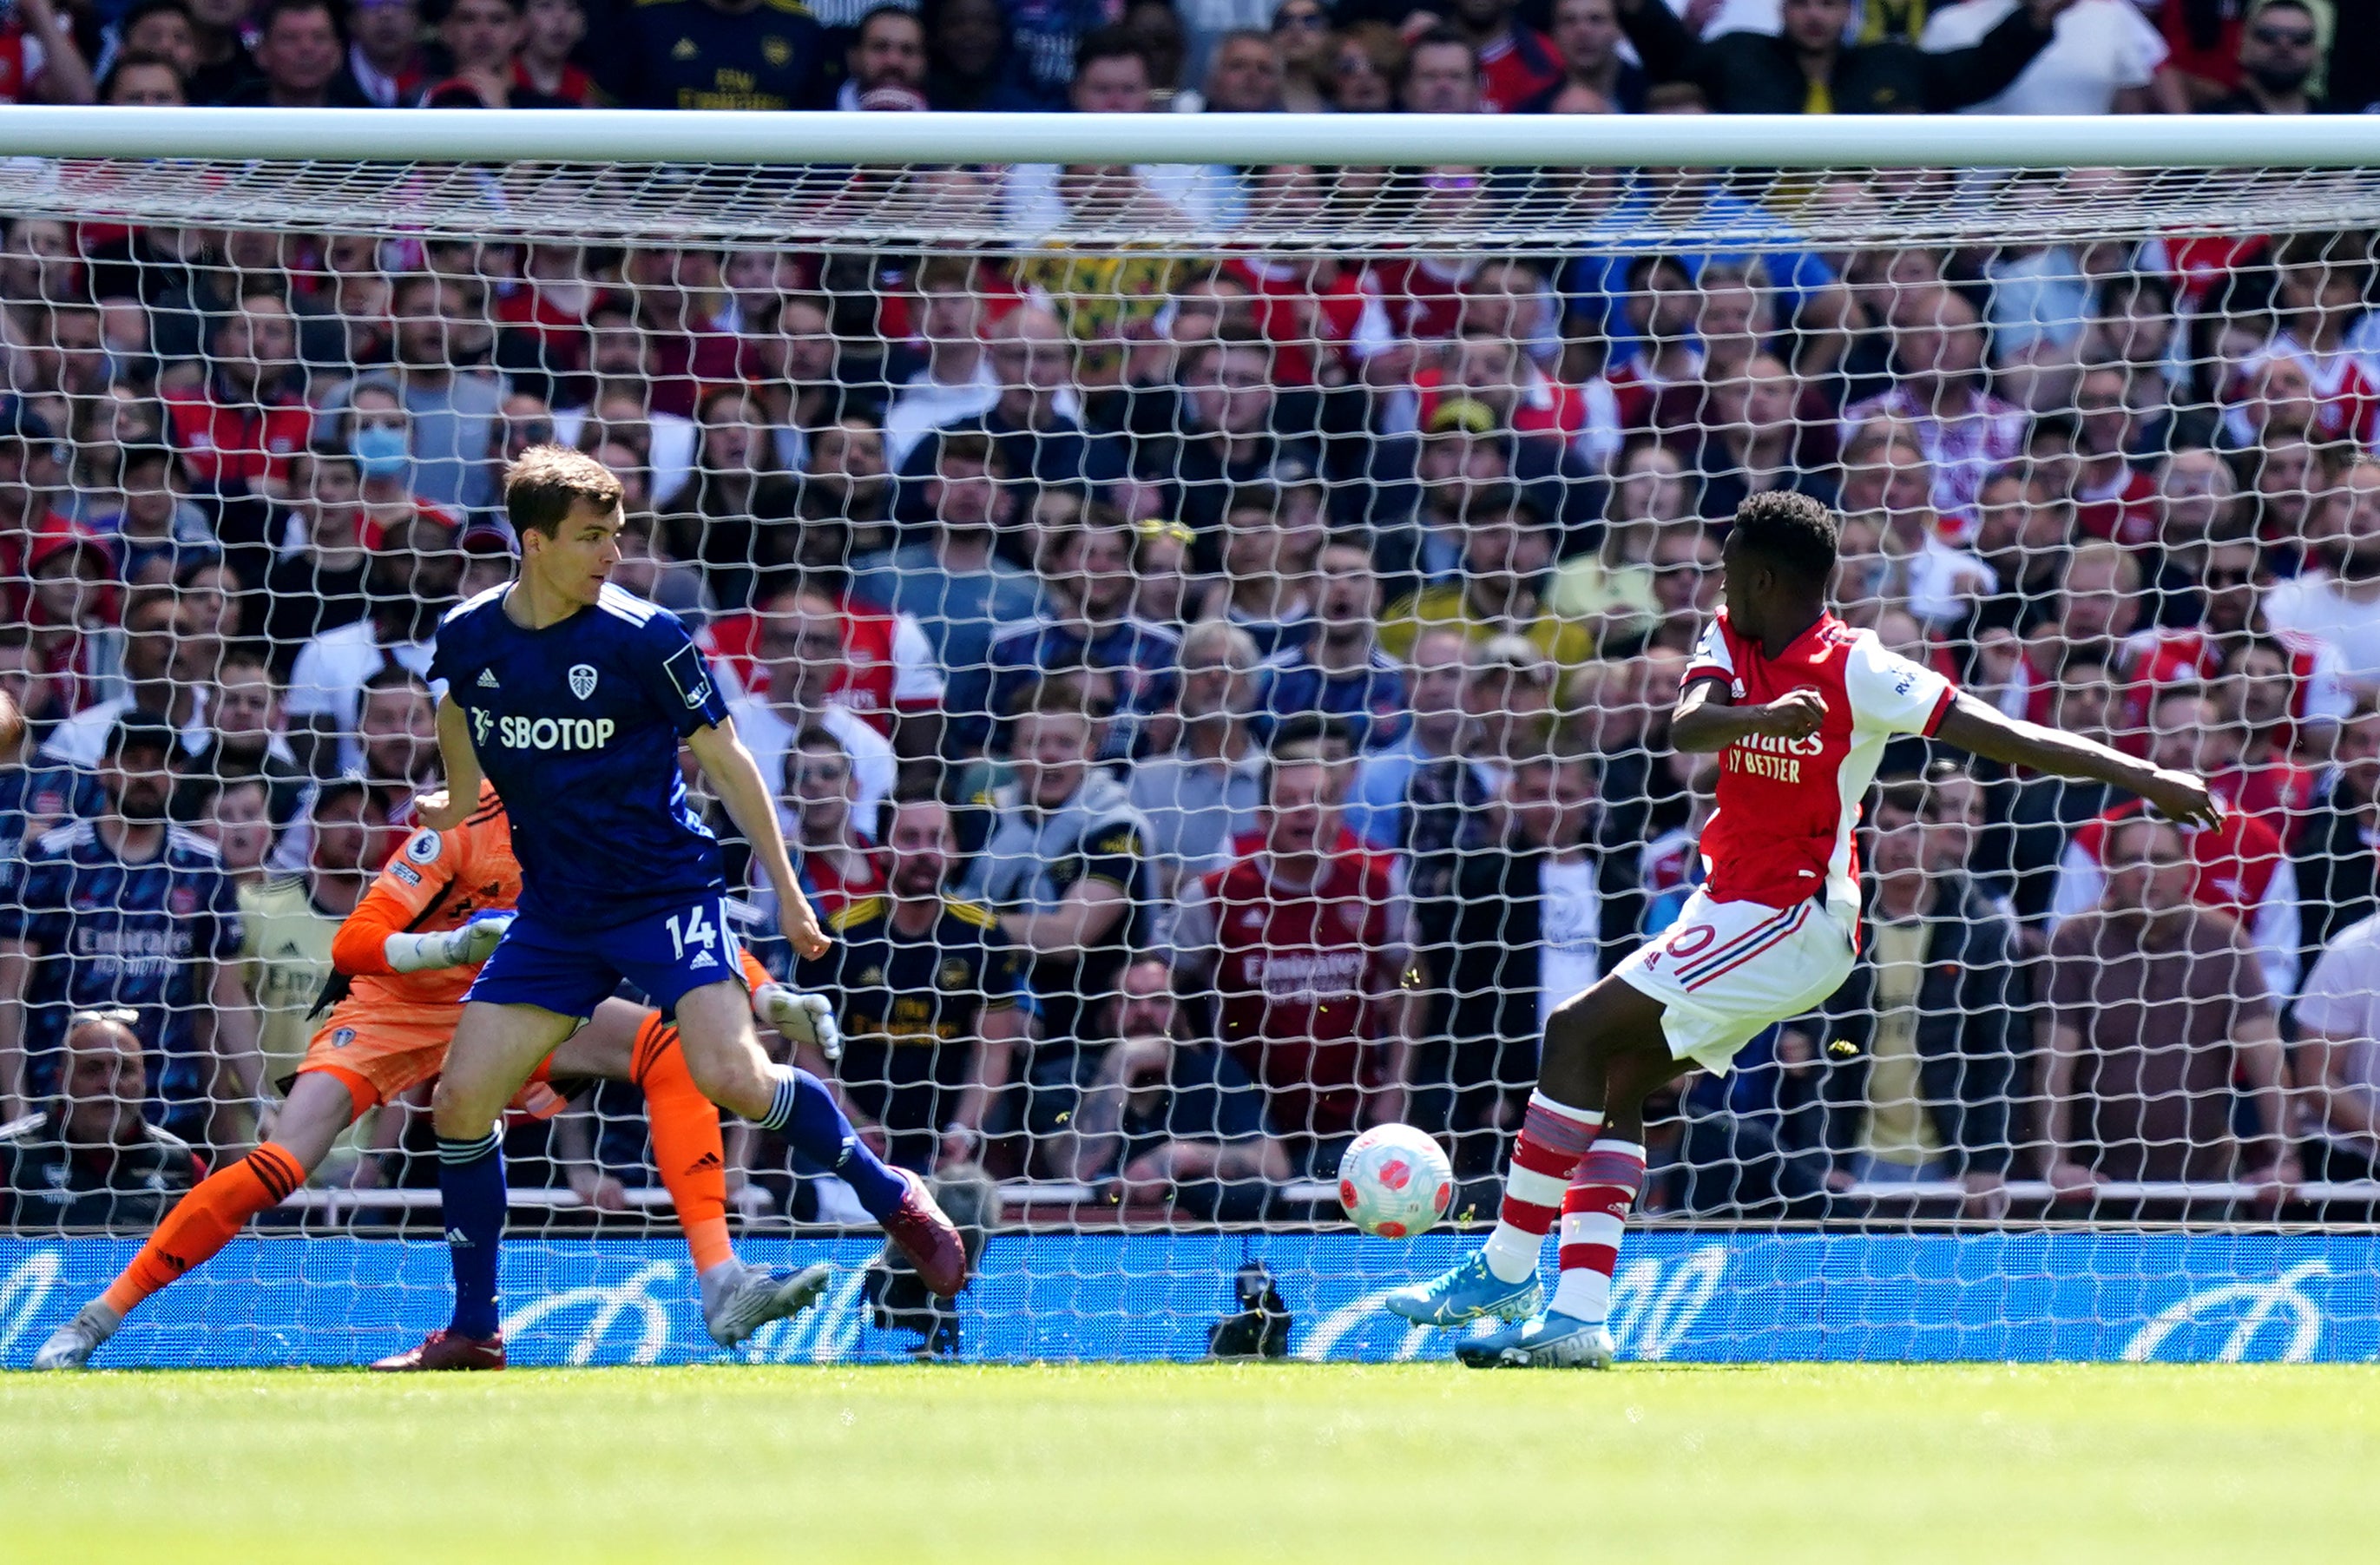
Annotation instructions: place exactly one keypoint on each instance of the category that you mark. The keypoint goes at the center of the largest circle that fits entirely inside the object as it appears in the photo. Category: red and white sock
(1594, 1212)
(1554, 1136)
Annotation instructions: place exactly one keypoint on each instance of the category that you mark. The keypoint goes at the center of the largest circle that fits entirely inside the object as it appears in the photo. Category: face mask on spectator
(379, 451)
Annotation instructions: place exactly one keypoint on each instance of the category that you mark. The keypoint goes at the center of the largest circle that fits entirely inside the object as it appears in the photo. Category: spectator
(2315, 690)
(1302, 943)
(731, 514)
(1066, 867)
(1594, 78)
(89, 1158)
(2337, 598)
(2103, 58)
(408, 586)
(1111, 75)
(238, 426)
(1236, 429)
(956, 380)
(233, 816)
(481, 39)
(753, 54)
(957, 586)
(2238, 867)
(1441, 75)
(2159, 1009)
(1089, 622)
(244, 741)
(930, 996)
(450, 406)
(1508, 546)
(125, 910)
(1436, 672)
(287, 923)
(1201, 798)
(1271, 537)
(1533, 923)
(1302, 41)
(798, 647)
(318, 582)
(35, 795)
(820, 795)
(155, 672)
(887, 50)
(1243, 76)
(2338, 877)
(2283, 48)
(1367, 68)
(2339, 1063)
(1031, 419)
(301, 55)
(1963, 431)
(1808, 68)
(384, 58)
(1341, 671)
(2045, 812)
(222, 65)
(1174, 1123)
(1936, 1007)
(143, 81)
(551, 33)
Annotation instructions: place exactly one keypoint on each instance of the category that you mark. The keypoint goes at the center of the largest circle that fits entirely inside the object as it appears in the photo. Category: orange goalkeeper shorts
(378, 1050)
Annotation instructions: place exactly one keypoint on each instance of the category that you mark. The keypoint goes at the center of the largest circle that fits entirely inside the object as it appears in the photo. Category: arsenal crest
(582, 680)
(183, 901)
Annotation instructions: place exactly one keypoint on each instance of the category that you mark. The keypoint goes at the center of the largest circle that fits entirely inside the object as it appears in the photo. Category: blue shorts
(665, 954)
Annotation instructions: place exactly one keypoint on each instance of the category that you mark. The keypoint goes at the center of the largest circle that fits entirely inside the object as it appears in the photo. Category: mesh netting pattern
(1065, 497)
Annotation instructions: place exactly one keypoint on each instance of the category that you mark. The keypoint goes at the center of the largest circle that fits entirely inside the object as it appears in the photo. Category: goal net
(1211, 623)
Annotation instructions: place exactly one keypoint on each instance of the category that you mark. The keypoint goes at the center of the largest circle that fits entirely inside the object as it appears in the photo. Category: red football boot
(924, 1233)
(444, 1350)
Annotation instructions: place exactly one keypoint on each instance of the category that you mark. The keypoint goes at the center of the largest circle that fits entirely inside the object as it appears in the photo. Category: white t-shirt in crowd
(2313, 605)
(2098, 48)
(2342, 1002)
(1570, 924)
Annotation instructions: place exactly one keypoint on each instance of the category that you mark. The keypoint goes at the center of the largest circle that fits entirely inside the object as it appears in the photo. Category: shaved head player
(1798, 705)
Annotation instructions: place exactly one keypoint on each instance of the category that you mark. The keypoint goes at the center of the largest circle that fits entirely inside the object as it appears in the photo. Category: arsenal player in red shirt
(1798, 707)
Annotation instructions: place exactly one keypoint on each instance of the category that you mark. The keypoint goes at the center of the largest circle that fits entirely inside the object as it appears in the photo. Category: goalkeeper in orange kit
(404, 959)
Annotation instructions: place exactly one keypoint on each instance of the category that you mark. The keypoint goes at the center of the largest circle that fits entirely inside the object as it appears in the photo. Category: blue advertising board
(1678, 1296)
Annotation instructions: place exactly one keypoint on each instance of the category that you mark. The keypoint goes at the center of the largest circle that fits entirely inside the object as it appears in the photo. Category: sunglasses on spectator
(2226, 578)
(2283, 38)
(1172, 532)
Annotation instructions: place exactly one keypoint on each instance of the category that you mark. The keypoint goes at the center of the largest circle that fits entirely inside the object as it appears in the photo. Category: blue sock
(804, 1112)
(471, 1185)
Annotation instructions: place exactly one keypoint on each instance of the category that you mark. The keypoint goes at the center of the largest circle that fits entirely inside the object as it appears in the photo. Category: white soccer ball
(1395, 1181)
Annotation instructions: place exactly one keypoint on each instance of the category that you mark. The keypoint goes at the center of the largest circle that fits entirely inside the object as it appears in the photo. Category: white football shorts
(1725, 971)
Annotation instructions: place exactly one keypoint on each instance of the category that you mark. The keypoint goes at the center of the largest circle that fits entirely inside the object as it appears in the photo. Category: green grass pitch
(1347, 1465)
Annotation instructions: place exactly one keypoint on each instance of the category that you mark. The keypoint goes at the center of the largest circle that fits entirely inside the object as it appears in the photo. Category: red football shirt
(1783, 833)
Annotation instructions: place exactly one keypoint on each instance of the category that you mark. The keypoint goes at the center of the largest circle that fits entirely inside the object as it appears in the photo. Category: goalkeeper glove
(802, 1018)
(465, 947)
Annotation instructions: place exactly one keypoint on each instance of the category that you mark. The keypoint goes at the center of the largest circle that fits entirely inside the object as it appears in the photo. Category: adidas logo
(488, 679)
(708, 1161)
(701, 959)
(457, 1240)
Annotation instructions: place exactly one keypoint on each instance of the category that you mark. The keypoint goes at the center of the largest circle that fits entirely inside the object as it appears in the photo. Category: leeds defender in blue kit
(573, 696)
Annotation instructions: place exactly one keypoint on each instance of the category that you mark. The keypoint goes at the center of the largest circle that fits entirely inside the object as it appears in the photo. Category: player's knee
(454, 1113)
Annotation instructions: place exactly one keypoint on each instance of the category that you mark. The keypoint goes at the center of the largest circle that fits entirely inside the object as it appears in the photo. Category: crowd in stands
(1218, 699)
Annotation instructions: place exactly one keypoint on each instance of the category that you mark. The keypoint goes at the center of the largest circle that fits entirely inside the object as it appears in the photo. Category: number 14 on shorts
(696, 932)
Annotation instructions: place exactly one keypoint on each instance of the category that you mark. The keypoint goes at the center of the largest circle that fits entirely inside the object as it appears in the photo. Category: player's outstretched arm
(443, 812)
(735, 778)
(1987, 732)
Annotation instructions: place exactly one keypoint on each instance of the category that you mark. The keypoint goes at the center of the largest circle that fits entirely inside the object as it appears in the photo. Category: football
(1395, 1181)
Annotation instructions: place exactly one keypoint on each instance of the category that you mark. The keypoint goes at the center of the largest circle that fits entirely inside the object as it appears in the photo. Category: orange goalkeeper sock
(205, 1220)
(685, 1143)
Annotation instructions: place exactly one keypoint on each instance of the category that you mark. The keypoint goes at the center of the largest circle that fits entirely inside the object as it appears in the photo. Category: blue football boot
(1467, 1293)
(1547, 1342)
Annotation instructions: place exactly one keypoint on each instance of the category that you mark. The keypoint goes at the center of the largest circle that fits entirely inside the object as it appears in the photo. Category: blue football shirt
(578, 725)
